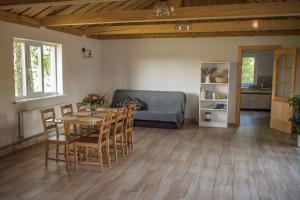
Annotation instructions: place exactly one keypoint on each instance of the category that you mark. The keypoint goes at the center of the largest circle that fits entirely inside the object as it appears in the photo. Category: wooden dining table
(85, 117)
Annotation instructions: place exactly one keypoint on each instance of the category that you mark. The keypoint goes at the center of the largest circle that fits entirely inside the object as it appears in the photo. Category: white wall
(173, 64)
(80, 75)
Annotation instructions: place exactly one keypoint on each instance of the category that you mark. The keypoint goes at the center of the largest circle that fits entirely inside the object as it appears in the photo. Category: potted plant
(93, 101)
(295, 120)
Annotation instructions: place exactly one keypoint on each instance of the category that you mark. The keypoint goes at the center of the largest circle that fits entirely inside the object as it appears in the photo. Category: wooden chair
(95, 143)
(80, 107)
(117, 132)
(67, 110)
(49, 124)
(128, 129)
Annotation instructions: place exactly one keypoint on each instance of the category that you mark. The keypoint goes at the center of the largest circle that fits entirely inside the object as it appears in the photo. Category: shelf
(217, 100)
(222, 124)
(214, 83)
(213, 109)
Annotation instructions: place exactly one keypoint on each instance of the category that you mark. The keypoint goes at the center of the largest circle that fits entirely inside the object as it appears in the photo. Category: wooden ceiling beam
(68, 30)
(18, 19)
(7, 4)
(175, 3)
(228, 26)
(195, 35)
(234, 11)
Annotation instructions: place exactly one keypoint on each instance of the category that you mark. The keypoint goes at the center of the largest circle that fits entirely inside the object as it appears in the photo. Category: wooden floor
(251, 162)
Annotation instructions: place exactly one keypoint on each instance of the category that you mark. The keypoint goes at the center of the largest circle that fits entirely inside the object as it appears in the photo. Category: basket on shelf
(221, 79)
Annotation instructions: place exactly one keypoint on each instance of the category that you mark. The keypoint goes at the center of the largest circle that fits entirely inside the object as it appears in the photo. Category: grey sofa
(164, 109)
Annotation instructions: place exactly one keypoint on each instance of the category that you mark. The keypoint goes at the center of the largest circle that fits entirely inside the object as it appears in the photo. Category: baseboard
(21, 145)
(190, 121)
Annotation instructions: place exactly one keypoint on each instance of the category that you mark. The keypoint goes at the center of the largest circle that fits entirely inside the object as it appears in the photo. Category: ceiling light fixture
(163, 8)
(255, 24)
(183, 26)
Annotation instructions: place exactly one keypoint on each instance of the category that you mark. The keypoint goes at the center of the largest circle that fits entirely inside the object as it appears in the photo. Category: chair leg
(76, 156)
(100, 158)
(115, 148)
(131, 140)
(67, 156)
(122, 144)
(86, 153)
(126, 143)
(46, 154)
(57, 152)
(107, 153)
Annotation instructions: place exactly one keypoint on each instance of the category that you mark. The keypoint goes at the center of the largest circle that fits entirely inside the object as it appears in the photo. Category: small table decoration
(94, 101)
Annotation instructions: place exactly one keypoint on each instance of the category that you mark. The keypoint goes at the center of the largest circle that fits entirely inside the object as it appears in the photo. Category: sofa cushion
(157, 116)
(123, 102)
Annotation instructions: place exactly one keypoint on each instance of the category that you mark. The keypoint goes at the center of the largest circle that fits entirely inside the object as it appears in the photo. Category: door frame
(239, 74)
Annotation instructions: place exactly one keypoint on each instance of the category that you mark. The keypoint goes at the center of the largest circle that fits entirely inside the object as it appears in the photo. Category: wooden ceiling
(113, 19)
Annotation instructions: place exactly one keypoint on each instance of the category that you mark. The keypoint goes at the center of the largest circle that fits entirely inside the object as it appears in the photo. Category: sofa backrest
(155, 100)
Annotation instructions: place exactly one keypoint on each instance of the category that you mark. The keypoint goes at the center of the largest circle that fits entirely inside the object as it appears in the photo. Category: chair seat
(86, 139)
(61, 138)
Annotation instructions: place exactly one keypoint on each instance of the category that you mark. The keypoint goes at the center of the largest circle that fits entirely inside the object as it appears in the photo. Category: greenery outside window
(36, 69)
(249, 63)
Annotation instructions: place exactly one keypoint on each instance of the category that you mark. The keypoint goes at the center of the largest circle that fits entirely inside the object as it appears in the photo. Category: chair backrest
(130, 116)
(121, 115)
(66, 109)
(48, 120)
(105, 125)
(80, 107)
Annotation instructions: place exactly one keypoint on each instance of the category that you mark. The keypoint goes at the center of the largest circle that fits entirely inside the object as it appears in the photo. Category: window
(36, 69)
(249, 70)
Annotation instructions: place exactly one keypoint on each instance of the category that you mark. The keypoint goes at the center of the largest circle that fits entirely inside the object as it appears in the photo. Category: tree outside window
(248, 70)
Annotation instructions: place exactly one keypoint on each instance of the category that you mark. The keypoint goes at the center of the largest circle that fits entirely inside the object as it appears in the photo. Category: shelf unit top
(214, 109)
(214, 83)
(217, 100)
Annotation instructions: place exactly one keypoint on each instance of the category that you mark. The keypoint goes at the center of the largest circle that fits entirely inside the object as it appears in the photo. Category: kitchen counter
(256, 91)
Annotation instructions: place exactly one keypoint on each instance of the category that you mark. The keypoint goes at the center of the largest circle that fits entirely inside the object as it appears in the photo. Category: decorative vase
(298, 140)
(93, 108)
(207, 78)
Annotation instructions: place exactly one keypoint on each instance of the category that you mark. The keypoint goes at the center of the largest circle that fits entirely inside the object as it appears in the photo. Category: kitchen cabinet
(255, 101)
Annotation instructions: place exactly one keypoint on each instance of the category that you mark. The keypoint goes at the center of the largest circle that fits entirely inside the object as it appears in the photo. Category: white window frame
(30, 94)
(255, 70)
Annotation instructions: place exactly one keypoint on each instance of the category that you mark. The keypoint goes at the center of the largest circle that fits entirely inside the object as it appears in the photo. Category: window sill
(38, 98)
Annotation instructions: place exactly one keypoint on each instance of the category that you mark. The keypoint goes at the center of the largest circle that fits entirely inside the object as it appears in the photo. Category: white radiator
(30, 122)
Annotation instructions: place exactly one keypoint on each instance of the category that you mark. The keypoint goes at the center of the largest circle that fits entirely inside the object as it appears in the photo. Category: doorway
(254, 85)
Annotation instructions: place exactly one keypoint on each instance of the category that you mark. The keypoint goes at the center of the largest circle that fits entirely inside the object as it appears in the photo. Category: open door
(284, 78)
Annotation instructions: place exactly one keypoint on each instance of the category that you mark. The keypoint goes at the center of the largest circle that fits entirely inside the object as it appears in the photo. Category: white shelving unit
(219, 116)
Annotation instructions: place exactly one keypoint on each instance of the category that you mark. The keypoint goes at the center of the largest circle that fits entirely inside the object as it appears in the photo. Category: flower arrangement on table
(94, 101)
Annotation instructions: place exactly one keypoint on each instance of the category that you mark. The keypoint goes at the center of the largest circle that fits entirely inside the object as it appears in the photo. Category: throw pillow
(124, 101)
(140, 105)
